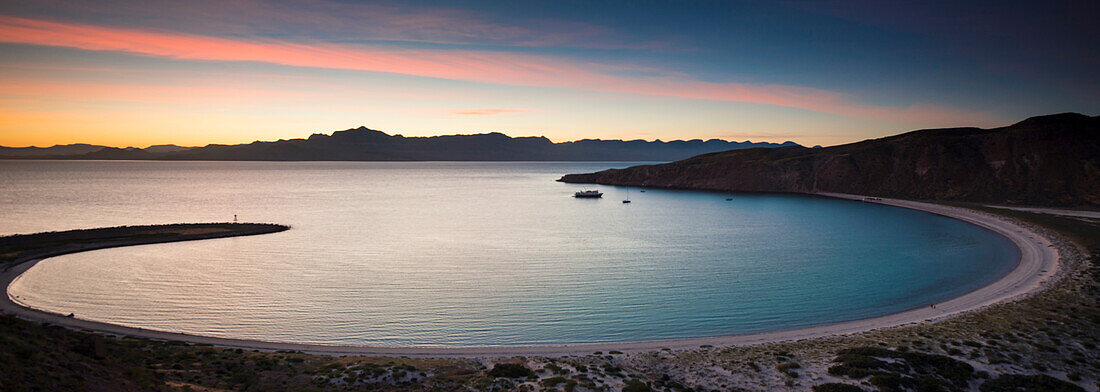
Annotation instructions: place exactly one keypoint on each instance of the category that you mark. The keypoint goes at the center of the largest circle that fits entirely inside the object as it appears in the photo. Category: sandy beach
(1038, 263)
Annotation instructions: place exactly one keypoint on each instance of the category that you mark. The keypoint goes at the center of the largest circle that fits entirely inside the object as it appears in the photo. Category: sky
(139, 73)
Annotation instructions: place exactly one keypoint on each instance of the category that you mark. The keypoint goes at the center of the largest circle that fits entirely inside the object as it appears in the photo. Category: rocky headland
(1048, 160)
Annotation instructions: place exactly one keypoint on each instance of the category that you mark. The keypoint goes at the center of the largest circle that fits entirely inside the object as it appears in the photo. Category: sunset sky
(136, 73)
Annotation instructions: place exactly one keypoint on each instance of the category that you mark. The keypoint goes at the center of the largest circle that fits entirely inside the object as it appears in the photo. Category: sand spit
(1038, 263)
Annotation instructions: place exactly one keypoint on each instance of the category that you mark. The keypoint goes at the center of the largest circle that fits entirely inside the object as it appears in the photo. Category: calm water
(476, 254)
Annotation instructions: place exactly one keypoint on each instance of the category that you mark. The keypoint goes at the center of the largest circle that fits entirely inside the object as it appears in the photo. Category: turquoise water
(438, 253)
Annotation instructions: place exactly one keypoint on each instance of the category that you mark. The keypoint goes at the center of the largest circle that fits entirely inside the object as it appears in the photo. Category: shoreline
(1038, 263)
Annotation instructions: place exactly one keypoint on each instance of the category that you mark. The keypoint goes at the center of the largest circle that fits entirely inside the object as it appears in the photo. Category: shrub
(788, 368)
(959, 373)
(868, 351)
(555, 368)
(570, 386)
(836, 387)
(784, 367)
(887, 382)
(911, 370)
(510, 370)
(1019, 382)
(636, 386)
(553, 381)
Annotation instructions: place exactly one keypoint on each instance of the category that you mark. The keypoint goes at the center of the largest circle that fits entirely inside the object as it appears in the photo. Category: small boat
(587, 194)
(626, 201)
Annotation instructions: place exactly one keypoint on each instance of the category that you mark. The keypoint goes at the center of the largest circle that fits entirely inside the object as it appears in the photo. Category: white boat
(588, 194)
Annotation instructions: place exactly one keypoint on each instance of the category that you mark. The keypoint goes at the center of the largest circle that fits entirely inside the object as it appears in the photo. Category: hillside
(1048, 160)
(47, 152)
(364, 144)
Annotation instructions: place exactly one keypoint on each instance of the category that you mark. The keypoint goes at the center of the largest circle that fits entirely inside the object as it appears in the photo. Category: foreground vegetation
(1043, 343)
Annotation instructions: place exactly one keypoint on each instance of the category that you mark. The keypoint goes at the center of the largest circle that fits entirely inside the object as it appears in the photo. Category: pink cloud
(334, 20)
(469, 65)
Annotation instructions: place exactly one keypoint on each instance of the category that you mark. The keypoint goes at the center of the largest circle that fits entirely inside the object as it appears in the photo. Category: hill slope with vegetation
(1049, 160)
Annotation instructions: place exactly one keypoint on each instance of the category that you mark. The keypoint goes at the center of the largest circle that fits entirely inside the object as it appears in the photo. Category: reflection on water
(476, 254)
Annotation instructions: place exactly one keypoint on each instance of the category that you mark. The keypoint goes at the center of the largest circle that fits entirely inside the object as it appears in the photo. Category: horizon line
(404, 136)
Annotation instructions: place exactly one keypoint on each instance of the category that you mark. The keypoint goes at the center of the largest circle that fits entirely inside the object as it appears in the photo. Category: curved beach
(1038, 263)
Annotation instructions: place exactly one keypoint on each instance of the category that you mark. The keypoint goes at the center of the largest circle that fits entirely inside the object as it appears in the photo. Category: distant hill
(47, 152)
(78, 151)
(363, 144)
(1049, 160)
(161, 148)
